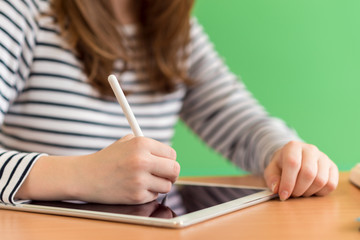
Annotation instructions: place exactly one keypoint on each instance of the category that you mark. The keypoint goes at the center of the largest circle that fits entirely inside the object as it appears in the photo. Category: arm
(223, 113)
(17, 31)
(220, 109)
(132, 170)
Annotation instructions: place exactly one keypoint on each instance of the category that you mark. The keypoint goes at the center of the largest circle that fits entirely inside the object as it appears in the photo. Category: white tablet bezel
(177, 222)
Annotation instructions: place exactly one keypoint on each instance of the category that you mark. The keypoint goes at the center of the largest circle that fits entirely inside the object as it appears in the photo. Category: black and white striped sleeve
(17, 40)
(220, 109)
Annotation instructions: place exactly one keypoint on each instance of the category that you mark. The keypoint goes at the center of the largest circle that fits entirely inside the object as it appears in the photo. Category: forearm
(52, 178)
(132, 170)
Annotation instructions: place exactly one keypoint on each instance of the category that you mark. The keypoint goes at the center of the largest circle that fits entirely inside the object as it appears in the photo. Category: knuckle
(320, 182)
(140, 162)
(331, 185)
(312, 148)
(138, 190)
(138, 183)
(145, 163)
(138, 197)
(325, 158)
(292, 143)
(308, 173)
(293, 162)
(138, 142)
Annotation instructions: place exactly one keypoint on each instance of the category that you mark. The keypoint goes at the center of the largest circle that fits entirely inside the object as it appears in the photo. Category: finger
(332, 182)
(150, 196)
(161, 150)
(321, 179)
(272, 174)
(291, 162)
(308, 170)
(165, 168)
(159, 185)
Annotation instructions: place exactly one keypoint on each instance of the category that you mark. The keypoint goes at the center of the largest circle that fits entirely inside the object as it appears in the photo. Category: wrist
(82, 172)
(52, 178)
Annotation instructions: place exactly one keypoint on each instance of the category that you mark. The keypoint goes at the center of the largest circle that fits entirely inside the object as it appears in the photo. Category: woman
(63, 135)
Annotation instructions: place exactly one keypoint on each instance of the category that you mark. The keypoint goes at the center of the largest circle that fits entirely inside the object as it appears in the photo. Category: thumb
(272, 176)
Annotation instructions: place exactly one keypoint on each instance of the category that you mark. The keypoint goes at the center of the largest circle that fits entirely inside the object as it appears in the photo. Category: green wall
(300, 59)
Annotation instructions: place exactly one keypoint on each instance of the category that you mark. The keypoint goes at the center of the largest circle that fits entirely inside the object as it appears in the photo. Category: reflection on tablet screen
(181, 200)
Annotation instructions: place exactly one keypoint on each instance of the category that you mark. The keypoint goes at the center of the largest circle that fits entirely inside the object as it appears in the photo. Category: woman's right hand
(132, 170)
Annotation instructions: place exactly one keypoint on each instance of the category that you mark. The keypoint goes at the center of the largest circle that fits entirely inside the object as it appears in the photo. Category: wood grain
(330, 217)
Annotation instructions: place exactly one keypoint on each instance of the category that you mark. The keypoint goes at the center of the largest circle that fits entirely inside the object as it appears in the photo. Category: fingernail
(284, 195)
(273, 186)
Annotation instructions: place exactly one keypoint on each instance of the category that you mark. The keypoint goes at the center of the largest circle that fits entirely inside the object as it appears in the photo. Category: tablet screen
(181, 200)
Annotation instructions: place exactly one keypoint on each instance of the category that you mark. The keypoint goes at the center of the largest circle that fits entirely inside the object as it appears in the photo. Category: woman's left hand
(300, 169)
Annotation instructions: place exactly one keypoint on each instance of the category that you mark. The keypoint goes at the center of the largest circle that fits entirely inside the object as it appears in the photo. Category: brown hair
(90, 27)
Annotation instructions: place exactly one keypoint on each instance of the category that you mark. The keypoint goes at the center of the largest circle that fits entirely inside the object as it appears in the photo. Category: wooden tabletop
(330, 217)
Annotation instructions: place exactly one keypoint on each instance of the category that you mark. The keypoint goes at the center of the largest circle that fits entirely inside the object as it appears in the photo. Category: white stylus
(120, 96)
(125, 106)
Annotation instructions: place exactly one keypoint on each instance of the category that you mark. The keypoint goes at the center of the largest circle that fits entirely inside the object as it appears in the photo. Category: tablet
(186, 204)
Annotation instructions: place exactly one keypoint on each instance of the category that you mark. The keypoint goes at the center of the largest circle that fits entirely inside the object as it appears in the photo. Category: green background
(300, 59)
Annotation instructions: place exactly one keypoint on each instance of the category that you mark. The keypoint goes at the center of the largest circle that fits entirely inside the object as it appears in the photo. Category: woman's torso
(58, 112)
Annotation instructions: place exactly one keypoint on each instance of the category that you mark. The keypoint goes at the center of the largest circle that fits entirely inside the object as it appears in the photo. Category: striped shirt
(47, 105)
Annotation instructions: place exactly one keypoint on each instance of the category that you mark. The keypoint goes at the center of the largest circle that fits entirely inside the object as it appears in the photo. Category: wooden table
(330, 217)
